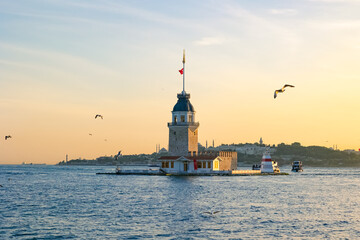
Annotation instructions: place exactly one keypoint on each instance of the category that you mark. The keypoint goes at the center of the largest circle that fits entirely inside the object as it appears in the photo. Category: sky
(64, 61)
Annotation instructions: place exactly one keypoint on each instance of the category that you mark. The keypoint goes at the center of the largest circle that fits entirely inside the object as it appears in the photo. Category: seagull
(212, 213)
(117, 155)
(282, 89)
(98, 115)
(8, 136)
(90, 134)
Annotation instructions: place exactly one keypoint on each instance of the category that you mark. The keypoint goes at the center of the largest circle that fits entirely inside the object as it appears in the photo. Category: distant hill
(248, 154)
(137, 159)
(314, 156)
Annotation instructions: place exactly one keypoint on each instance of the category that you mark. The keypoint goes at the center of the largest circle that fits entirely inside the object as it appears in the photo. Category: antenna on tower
(183, 92)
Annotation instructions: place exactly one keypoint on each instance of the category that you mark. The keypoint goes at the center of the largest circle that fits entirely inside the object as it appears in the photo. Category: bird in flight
(117, 155)
(212, 213)
(98, 115)
(90, 134)
(8, 136)
(282, 89)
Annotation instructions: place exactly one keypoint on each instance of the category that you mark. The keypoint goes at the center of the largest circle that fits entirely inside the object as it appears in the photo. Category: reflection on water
(67, 202)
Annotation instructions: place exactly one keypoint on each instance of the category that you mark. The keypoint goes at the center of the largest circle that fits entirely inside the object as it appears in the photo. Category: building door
(185, 166)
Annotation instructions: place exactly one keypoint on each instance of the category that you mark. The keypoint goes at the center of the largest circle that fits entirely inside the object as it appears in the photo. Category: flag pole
(183, 72)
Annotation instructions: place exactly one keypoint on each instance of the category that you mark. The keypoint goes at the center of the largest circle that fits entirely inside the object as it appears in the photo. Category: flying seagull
(98, 115)
(117, 155)
(90, 134)
(282, 89)
(8, 136)
(212, 213)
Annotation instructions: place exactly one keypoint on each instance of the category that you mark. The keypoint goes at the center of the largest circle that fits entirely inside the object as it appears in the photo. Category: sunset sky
(64, 61)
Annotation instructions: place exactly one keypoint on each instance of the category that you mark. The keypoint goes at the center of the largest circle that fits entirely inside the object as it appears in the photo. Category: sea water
(72, 202)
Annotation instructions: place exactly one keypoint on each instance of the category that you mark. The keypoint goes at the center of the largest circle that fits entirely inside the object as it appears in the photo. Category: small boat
(256, 167)
(275, 166)
(297, 166)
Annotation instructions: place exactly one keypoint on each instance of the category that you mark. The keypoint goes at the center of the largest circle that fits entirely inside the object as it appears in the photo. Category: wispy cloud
(336, 1)
(209, 41)
(335, 25)
(286, 12)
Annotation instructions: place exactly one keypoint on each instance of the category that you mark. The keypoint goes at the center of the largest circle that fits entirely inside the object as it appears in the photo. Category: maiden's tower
(183, 142)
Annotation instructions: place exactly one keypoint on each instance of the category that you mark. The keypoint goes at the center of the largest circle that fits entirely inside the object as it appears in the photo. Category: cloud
(336, 25)
(209, 41)
(336, 1)
(285, 11)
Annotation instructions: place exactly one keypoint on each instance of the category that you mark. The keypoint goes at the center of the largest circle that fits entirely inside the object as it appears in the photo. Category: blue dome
(183, 104)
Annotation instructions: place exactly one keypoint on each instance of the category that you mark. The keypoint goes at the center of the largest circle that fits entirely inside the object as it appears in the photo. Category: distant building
(163, 150)
(261, 141)
(249, 149)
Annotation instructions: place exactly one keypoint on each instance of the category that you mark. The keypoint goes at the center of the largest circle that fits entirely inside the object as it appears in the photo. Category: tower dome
(183, 104)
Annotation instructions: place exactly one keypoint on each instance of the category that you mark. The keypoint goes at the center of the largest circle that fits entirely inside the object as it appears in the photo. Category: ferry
(297, 166)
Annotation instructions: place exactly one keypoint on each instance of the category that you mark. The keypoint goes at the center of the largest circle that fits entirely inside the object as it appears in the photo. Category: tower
(183, 130)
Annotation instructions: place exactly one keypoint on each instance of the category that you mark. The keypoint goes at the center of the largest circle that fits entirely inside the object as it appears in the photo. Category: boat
(275, 166)
(297, 166)
(256, 167)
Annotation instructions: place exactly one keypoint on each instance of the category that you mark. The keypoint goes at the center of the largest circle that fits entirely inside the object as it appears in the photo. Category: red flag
(181, 71)
(195, 164)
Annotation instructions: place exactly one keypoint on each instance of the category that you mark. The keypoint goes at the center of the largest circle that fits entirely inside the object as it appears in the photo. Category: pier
(213, 173)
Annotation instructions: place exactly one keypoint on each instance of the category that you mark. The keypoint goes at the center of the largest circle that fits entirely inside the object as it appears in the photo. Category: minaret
(183, 130)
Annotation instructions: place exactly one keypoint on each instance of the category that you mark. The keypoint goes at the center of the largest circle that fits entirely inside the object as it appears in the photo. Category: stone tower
(183, 130)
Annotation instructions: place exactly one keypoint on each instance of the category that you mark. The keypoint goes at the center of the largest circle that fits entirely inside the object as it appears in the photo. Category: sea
(72, 202)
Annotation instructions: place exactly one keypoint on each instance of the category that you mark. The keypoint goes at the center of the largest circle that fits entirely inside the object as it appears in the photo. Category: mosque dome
(183, 104)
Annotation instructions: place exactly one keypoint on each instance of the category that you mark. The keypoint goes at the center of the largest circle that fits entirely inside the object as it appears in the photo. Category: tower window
(182, 118)
(190, 118)
(175, 119)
